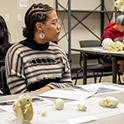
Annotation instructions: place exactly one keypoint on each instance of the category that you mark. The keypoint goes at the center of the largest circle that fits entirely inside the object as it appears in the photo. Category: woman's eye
(54, 23)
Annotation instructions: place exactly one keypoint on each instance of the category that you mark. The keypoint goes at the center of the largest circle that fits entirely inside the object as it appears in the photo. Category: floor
(91, 80)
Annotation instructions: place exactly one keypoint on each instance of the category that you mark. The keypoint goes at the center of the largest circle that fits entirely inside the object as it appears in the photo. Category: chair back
(5, 88)
(2, 62)
(89, 43)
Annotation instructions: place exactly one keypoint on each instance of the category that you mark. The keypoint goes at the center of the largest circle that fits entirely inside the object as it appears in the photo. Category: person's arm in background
(106, 42)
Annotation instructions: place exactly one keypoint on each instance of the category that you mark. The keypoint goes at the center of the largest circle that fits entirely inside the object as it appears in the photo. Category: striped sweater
(30, 66)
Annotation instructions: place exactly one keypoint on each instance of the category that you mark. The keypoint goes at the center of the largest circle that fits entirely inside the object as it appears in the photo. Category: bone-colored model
(111, 102)
(117, 46)
(23, 109)
(82, 107)
(43, 113)
(59, 104)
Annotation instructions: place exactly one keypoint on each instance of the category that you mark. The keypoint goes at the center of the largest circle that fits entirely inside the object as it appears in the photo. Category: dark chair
(94, 68)
(5, 88)
(1, 64)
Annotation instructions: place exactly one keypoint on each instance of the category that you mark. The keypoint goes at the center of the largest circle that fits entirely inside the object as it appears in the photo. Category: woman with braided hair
(37, 63)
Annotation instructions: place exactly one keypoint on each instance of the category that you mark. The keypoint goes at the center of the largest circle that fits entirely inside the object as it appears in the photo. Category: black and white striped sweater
(30, 66)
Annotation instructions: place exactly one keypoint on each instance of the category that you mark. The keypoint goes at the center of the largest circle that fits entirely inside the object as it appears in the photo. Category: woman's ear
(39, 26)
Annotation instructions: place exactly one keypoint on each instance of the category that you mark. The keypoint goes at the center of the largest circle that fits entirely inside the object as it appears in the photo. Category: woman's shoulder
(56, 47)
(15, 46)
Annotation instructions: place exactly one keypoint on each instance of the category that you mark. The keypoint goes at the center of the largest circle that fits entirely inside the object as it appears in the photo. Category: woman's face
(51, 28)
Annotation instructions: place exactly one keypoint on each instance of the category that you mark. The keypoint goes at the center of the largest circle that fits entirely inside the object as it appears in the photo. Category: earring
(41, 35)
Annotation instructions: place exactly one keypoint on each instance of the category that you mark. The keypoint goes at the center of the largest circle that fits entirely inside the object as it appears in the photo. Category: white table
(118, 119)
(99, 51)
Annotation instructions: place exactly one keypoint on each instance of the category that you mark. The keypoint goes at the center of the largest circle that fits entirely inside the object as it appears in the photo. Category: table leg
(84, 69)
(114, 69)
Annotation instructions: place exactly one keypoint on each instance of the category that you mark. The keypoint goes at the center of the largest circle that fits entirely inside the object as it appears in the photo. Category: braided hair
(36, 13)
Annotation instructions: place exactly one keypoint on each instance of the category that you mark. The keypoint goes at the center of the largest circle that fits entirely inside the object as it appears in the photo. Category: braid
(36, 13)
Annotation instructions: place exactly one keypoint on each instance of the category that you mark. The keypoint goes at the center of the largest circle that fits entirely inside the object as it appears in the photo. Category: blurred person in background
(114, 31)
(4, 38)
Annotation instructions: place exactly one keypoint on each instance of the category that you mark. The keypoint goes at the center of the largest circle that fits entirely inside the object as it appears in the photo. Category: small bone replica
(23, 109)
(82, 107)
(43, 113)
(117, 46)
(111, 102)
(59, 104)
(119, 4)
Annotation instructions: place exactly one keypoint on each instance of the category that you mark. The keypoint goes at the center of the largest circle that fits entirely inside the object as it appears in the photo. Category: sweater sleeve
(14, 72)
(60, 85)
(66, 73)
(65, 81)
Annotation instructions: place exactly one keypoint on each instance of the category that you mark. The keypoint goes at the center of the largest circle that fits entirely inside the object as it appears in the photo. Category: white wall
(16, 19)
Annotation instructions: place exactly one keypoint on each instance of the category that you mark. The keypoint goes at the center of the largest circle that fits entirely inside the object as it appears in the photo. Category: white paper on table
(82, 119)
(101, 88)
(82, 92)
(76, 94)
